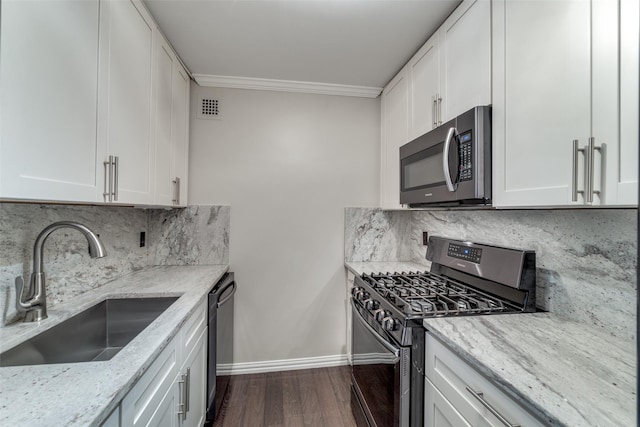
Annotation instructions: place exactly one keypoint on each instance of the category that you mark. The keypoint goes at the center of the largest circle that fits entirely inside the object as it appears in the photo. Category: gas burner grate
(430, 295)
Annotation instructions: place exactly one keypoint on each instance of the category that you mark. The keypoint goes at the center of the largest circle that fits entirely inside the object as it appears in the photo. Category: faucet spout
(34, 304)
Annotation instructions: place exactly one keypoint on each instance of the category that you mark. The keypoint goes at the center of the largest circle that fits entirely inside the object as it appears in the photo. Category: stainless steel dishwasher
(220, 348)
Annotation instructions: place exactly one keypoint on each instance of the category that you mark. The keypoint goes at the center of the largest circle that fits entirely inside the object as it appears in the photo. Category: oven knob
(389, 324)
(382, 314)
(363, 296)
(371, 304)
(356, 290)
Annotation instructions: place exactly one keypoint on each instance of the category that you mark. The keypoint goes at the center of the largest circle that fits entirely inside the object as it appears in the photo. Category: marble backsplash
(586, 258)
(70, 271)
(190, 236)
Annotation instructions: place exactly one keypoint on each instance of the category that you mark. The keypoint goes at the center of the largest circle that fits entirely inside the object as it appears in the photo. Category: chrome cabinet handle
(107, 180)
(574, 180)
(591, 149)
(434, 116)
(176, 191)
(439, 109)
(479, 395)
(187, 394)
(445, 160)
(181, 401)
(116, 171)
(110, 193)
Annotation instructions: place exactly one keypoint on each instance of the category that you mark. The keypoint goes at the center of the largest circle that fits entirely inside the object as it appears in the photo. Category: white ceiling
(347, 42)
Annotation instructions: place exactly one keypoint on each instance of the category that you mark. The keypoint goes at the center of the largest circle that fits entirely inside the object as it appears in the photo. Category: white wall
(288, 164)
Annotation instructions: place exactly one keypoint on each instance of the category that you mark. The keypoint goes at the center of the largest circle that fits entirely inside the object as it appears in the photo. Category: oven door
(429, 167)
(380, 374)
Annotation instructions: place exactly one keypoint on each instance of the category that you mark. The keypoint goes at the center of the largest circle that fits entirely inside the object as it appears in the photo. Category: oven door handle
(445, 160)
(381, 340)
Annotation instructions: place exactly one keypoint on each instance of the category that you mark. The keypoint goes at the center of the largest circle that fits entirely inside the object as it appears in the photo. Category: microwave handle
(445, 160)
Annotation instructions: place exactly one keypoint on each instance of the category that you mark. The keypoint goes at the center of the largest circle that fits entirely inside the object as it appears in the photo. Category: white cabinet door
(180, 133)
(165, 59)
(49, 65)
(465, 51)
(125, 128)
(438, 411)
(624, 183)
(141, 405)
(424, 85)
(195, 371)
(395, 118)
(468, 392)
(172, 127)
(166, 414)
(541, 98)
(113, 420)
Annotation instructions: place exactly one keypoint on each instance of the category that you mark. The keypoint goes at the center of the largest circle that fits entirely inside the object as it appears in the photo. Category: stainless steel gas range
(466, 279)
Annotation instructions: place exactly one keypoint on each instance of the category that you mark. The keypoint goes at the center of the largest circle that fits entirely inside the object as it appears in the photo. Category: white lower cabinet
(440, 412)
(194, 375)
(113, 420)
(172, 391)
(165, 413)
(457, 395)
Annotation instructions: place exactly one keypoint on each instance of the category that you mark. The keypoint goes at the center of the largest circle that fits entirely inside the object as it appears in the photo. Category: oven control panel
(465, 253)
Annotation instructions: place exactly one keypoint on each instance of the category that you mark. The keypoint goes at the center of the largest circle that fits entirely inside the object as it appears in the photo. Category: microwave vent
(209, 108)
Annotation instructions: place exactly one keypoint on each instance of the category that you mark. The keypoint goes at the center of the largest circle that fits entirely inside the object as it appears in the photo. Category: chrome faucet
(35, 305)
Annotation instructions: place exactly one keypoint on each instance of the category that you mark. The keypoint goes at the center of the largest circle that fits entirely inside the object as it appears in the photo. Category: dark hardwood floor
(311, 397)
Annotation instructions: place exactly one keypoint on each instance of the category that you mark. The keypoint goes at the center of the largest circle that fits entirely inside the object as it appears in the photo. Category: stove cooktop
(424, 294)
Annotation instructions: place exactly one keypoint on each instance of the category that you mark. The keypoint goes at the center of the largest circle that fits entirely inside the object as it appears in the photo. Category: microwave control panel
(466, 155)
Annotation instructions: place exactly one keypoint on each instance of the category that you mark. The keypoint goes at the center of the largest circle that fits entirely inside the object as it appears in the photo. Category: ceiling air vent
(209, 108)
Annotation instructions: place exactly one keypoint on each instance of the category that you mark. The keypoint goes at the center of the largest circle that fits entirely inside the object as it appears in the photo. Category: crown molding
(287, 86)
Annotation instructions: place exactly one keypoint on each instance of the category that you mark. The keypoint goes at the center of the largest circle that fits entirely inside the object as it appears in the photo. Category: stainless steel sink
(95, 334)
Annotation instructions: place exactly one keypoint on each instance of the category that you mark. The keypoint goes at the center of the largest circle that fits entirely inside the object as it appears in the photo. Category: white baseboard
(283, 365)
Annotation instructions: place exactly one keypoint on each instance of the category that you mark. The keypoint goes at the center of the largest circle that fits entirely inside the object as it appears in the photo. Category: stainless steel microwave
(449, 165)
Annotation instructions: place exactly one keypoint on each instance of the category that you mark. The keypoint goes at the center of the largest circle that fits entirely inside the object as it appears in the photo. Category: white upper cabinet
(125, 127)
(87, 97)
(449, 75)
(165, 60)
(395, 126)
(424, 85)
(555, 81)
(180, 134)
(465, 52)
(49, 68)
(171, 128)
(624, 184)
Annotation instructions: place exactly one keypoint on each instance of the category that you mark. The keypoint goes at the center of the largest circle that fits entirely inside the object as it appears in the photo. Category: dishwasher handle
(228, 297)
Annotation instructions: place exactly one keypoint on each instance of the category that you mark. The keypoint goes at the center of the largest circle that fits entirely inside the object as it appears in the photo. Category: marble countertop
(562, 371)
(84, 394)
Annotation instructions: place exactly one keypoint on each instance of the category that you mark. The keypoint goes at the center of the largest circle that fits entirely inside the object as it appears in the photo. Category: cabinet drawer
(191, 330)
(438, 411)
(142, 401)
(458, 381)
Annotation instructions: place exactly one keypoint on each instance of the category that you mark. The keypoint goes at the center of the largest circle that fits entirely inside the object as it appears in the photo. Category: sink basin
(96, 334)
